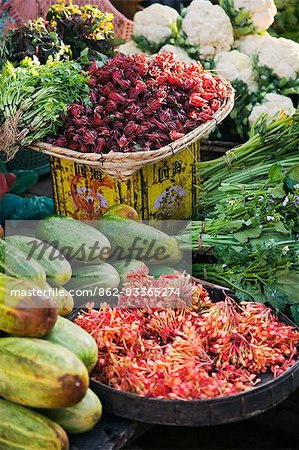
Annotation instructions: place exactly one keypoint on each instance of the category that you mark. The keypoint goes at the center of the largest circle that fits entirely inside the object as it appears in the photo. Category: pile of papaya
(46, 359)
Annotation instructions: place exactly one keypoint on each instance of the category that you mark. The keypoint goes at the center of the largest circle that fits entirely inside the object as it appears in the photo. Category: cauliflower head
(207, 27)
(281, 56)
(272, 104)
(252, 43)
(129, 48)
(178, 53)
(250, 16)
(154, 26)
(236, 66)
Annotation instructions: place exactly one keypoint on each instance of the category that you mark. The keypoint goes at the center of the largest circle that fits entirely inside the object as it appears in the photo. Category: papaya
(40, 374)
(77, 340)
(79, 418)
(22, 314)
(24, 429)
(122, 211)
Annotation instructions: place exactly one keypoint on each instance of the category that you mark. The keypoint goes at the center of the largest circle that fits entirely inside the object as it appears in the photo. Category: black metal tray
(266, 395)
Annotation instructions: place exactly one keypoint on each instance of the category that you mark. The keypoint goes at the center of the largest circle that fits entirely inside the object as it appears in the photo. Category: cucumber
(90, 282)
(79, 418)
(40, 374)
(14, 262)
(126, 269)
(135, 240)
(76, 240)
(63, 299)
(73, 337)
(56, 266)
(24, 429)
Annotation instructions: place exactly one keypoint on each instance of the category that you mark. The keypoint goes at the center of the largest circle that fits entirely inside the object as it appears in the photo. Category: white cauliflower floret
(282, 56)
(178, 53)
(262, 12)
(272, 104)
(252, 43)
(250, 16)
(234, 66)
(155, 23)
(129, 48)
(207, 27)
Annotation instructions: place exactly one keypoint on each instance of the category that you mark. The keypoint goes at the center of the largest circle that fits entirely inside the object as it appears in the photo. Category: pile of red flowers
(217, 350)
(141, 103)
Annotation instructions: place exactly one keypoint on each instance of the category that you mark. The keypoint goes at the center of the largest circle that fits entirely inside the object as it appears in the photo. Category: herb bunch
(33, 97)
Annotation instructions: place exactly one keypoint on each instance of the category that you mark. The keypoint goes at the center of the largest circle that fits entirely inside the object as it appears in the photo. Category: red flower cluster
(141, 103)
(217, 350)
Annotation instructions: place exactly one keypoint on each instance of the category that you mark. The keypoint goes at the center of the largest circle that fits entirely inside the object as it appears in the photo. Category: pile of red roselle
(210, 350)
(141, 103)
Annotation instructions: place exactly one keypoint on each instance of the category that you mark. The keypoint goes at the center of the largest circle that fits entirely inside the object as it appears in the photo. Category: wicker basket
(23, 10)
(122, 165)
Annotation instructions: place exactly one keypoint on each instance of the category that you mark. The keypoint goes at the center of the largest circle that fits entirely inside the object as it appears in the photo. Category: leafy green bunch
(254, 235)
(33, 97)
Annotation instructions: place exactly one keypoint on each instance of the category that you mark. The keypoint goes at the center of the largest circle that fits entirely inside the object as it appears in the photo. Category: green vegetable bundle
(251, 220)
(33, 97)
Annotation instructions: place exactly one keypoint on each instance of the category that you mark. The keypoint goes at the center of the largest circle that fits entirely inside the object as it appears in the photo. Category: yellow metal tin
(163, 190)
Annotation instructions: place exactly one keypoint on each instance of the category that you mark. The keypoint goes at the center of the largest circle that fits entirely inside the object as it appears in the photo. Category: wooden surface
(111, 433)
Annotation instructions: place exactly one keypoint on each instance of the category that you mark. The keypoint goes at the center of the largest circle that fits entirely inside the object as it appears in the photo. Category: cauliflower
(153, 26)
(236, 66)
(252, 43)
(129, 48)
(282, 56)
(272, 104)
(178, 53)
(208, 28)
(250, 16)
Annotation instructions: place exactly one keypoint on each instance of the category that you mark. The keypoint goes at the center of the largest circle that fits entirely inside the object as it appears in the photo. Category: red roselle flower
(175, 135)
(142, 102)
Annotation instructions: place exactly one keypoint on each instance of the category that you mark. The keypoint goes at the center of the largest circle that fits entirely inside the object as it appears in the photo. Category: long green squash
(58, 269)
(39, 374)
(77, 340)
(79, 418)
(22, 314)
(131, 239)
(23, 429)
(76, 240)
(63, 299)
(14, 262)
